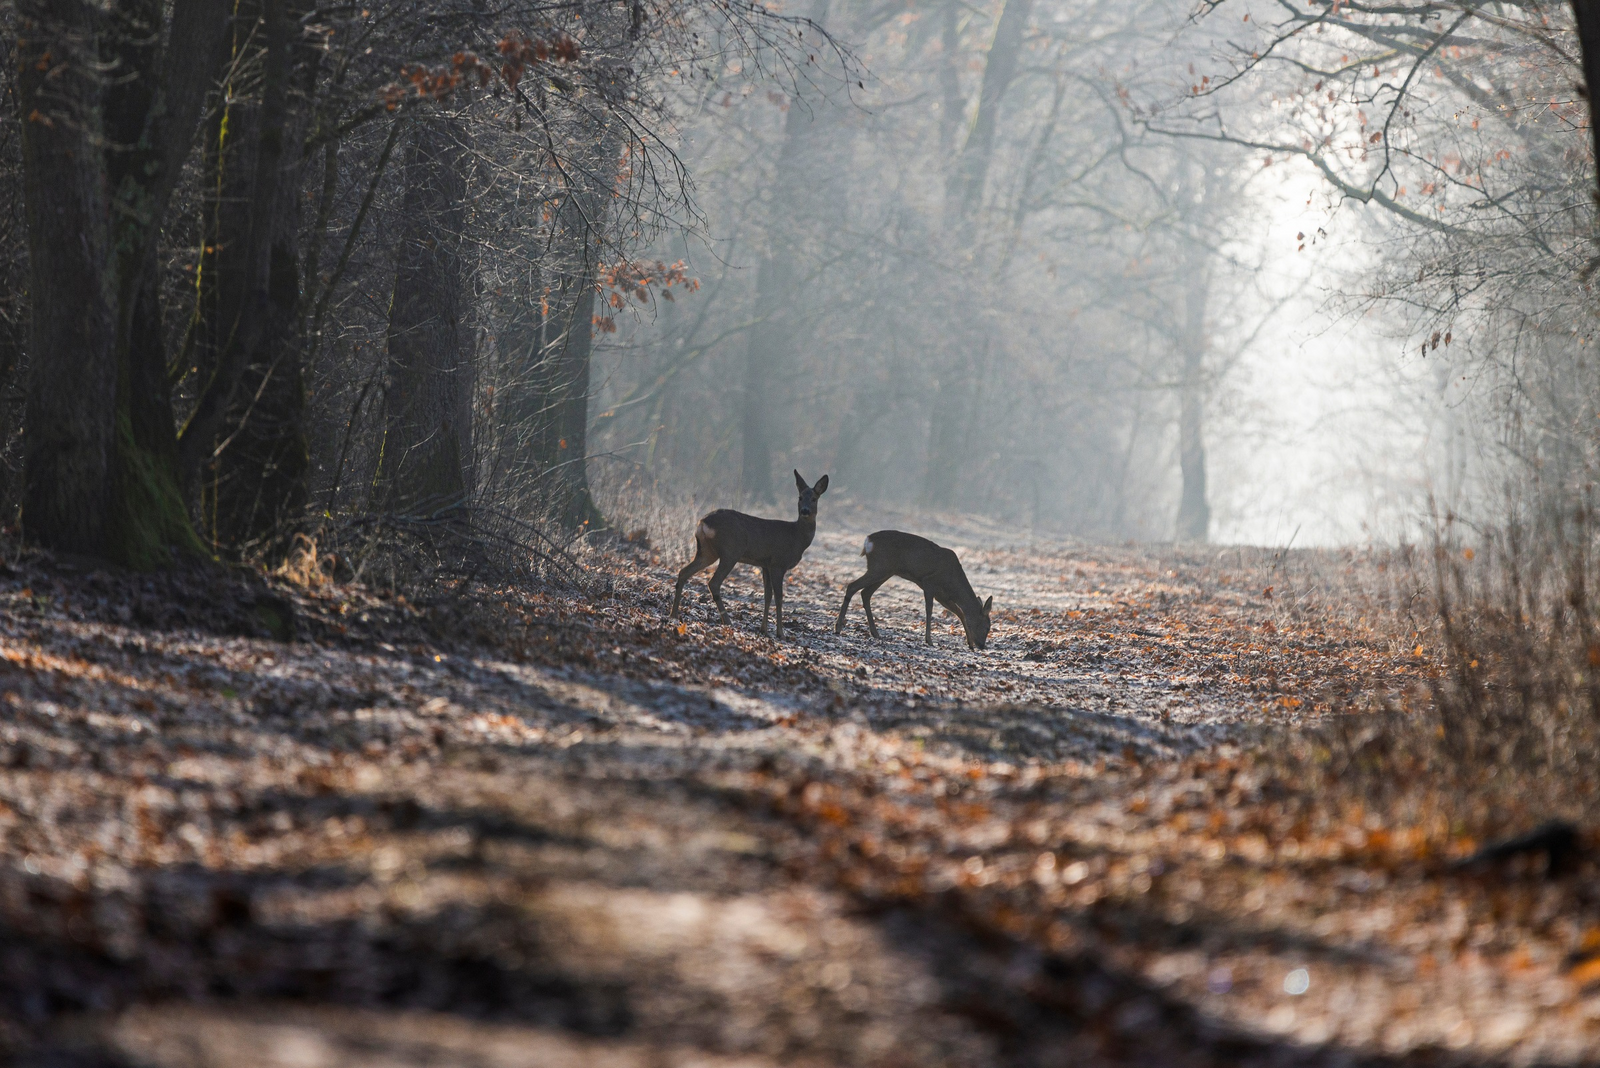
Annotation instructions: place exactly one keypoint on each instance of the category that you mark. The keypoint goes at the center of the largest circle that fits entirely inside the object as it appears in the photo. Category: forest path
(532, 830)
(1158, 647)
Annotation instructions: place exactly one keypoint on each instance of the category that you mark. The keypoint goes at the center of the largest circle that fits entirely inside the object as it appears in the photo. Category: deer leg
(777, 599)
(718, 577)
(849, 592)
(928, 625)
(766, 598)
(704, 557)
(866, 602)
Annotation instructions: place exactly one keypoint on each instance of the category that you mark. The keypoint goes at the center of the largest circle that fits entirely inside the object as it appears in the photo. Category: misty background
(1042, 263)
(1156, 270)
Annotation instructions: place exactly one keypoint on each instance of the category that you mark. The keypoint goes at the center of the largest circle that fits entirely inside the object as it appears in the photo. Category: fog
(1055, 275)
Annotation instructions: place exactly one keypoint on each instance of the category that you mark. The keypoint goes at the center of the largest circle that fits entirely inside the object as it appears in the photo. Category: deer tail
(866, 547)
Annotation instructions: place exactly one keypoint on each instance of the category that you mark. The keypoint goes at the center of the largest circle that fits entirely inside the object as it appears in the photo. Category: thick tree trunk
(100, 169)
(163, 76)
(427, 445)
(243, 449)
(262, 469)
(70, 421)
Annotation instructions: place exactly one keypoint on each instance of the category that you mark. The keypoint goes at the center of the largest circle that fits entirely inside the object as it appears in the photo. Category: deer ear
(798, 481)
(822, 486)
(989, 602)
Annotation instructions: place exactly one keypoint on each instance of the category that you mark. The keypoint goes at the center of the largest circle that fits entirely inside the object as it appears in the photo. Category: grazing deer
(896, 554)
(727, 538)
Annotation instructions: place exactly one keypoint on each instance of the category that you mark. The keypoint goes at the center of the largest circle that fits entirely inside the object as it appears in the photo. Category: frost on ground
(514, 828)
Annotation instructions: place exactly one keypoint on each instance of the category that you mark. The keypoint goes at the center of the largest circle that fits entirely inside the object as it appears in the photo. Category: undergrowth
(1502, 733)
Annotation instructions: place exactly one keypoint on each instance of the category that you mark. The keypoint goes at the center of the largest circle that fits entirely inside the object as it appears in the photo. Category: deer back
(772, 543)
(929, 564)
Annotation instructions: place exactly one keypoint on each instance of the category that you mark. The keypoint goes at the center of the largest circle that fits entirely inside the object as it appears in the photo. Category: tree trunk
(771, 348)
(772, 341)
(965, 183)
(100, 169)
(1194, 513)
(1587, 13)
(427, 446)
(573, 501)
(260, 487)
(264, 464)
(243, 449)
(561, 382)
(262, 469)
(951, 403)
(953, 406)
(70, 421)
(953, 107)
(163, 76)
(553, 348)
(563, 376)
(548, 341)
(524, 395)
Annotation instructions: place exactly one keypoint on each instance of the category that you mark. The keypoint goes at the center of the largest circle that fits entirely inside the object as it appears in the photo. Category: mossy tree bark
(163, 74)
(111, 96)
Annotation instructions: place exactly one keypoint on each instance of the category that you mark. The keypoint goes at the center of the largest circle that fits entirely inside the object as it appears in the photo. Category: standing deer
(727, 538)
(896, 554)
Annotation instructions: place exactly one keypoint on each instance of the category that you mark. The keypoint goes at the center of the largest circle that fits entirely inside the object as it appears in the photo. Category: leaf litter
(512, 826)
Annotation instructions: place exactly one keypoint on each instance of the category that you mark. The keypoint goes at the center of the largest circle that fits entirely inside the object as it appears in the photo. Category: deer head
(809, 495)
(978, 628)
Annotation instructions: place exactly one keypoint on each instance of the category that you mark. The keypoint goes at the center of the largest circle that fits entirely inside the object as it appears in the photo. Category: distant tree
(426, 455)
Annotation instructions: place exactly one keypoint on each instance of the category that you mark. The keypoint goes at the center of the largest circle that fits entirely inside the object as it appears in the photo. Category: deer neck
(806, 528)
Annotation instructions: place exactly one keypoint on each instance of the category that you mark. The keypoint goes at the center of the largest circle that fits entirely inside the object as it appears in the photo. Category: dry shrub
(1517, 695)
(1501, 732)
(304, 566)
(646, 514)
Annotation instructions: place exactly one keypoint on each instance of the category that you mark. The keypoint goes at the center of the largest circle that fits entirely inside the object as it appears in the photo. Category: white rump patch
(866, 547)
(705, 532)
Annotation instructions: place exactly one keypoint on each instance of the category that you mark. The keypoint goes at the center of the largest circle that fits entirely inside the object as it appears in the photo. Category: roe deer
(896, 554)
(726, 538)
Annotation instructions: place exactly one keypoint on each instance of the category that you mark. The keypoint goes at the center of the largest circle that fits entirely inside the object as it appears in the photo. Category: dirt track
(580, 834)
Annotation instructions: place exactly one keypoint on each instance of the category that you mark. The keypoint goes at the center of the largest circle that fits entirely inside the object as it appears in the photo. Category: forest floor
(522, 827)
